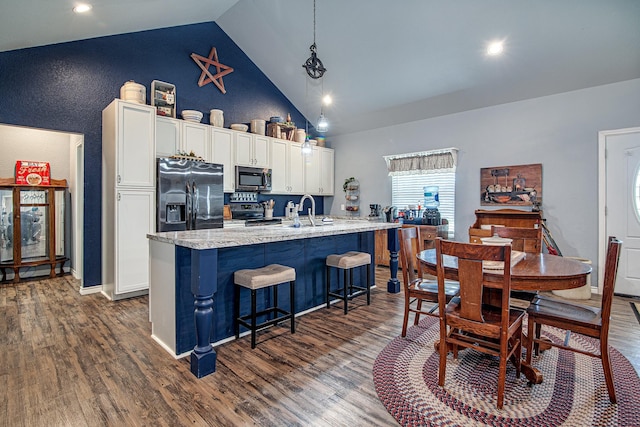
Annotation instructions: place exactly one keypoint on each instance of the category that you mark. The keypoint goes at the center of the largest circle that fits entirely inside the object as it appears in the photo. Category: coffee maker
(376, 210)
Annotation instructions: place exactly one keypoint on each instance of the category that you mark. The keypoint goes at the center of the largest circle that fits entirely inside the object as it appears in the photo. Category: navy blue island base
(203, 286)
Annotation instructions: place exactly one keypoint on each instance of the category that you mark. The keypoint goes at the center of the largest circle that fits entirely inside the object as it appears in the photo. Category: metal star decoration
(206, 76)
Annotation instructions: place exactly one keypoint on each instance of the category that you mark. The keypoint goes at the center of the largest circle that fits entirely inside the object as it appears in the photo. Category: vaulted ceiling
(388, 62)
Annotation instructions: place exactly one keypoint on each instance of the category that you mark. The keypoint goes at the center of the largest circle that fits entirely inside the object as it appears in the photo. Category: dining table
(534, 272)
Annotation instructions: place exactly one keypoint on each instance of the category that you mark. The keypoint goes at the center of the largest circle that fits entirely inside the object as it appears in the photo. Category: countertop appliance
(376, 210)
(189, 195)
(244, 205)
(253, 179)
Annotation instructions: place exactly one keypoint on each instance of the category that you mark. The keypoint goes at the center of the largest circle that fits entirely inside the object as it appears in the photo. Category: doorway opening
(65, 153)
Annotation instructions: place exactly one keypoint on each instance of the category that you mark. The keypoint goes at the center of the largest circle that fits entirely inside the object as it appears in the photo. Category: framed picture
(519, 185)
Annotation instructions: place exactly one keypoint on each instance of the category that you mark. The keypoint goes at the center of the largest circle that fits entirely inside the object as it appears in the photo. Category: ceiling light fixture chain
(313, 65)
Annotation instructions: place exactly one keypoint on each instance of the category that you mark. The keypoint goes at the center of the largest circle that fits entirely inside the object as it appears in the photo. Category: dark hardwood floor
(72, 360)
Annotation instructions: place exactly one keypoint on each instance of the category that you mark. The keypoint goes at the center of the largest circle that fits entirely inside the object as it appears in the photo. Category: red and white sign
(32, 173)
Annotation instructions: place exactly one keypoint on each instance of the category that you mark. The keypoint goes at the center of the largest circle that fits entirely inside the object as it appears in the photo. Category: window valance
(422, 162)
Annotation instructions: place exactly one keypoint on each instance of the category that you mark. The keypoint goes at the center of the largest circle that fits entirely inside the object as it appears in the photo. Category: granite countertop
(240, 236)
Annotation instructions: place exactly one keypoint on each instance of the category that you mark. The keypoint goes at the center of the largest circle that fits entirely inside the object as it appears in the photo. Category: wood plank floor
(72, 360)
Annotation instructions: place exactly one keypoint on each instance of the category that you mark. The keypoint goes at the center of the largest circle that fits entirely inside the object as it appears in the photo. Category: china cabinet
(32, 227)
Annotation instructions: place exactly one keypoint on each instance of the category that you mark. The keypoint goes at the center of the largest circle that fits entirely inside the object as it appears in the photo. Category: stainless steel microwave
(253, 179)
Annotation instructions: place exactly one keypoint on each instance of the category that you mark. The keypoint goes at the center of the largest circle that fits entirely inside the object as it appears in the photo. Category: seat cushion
(349, 259)
(266, 276)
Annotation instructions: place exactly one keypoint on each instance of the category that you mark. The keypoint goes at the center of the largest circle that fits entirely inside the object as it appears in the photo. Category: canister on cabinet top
(133, 92)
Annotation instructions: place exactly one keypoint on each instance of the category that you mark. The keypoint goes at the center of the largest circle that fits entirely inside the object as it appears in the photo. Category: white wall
(559, 131)
(22, 143)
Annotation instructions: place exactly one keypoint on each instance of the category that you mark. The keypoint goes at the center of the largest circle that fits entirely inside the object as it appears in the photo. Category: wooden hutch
(504, 217)
(29, 227)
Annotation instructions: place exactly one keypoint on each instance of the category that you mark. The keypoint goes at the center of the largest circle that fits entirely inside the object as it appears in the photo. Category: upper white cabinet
(287, 164)
(251, 150)
(195, 137)
(318, 177)
(222, 153)
(129, 132)
(167, 136)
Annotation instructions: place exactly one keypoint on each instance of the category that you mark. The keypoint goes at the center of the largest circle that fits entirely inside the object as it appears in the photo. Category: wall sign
(511, 185)
(206, 76)
(32, 173)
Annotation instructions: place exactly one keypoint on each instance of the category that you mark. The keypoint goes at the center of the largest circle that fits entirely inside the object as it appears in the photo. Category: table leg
(533, 375)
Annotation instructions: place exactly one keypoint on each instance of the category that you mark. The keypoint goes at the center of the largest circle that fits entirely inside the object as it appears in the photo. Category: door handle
(194, 202)
(188, 205)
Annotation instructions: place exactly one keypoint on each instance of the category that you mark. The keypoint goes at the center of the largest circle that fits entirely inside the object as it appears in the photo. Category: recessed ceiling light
(327, 100)
(495, 48)
(82, 8)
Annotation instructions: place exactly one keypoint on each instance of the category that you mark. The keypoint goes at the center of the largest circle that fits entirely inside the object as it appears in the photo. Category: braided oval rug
(573, 392)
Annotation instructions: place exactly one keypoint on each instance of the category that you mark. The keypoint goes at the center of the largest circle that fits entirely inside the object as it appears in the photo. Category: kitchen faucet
(311, 211)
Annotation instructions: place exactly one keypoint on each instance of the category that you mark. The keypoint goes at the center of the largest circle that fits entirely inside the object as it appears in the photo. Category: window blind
(408, 190)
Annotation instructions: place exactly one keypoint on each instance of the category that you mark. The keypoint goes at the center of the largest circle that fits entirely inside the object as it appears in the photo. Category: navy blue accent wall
(66, 86)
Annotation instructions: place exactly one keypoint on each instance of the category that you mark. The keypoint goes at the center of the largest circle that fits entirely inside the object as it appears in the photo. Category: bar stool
(347, 262)
(266, 277)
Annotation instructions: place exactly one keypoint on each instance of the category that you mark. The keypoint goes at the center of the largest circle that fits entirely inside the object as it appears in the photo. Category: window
(411, 172)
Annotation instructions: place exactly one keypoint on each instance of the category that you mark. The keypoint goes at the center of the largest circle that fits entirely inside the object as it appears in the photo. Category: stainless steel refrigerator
(190, 195)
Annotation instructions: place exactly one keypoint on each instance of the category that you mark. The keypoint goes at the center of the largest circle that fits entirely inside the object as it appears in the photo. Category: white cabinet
(251, 150)
(129, 131)
(134, 218)
(128, 196)
(167, 136)
(318, 177)
(222, 153)
(287, 164)
(195, 137)
(261, 150)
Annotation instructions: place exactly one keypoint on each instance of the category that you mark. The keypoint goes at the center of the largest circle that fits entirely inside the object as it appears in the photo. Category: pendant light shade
(323, 123)
(306, 147)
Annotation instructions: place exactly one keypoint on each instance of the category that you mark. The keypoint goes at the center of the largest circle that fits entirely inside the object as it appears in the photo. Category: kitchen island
(191, 288)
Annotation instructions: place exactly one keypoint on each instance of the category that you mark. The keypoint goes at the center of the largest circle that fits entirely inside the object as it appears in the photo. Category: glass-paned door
(34, 215)
(6, 226)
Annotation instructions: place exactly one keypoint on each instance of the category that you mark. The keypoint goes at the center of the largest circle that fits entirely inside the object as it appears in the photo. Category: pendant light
(313, 64)
(323, 123)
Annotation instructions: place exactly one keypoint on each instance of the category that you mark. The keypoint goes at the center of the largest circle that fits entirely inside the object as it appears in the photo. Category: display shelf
(351, 189)
(163, 97)
(30, 233)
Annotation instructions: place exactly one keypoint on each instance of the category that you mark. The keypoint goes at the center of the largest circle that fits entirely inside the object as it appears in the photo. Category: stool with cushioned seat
(265, 277)
(347, 262)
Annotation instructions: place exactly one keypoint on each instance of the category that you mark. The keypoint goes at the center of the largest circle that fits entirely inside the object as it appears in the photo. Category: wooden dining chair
(416, 288)
(524, 240)
(468, 322)
(582, 319)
